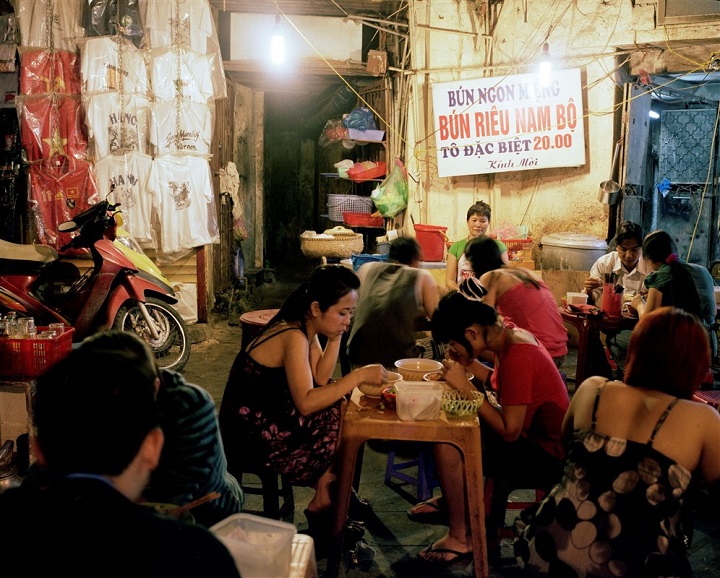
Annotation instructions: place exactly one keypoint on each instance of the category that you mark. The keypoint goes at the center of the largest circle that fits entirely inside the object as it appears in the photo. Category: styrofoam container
(261, 547)
(418, 400)
(576, 298)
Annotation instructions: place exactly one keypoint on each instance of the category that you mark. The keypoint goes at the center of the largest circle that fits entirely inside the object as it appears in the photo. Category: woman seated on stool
(281, 410)
(522, 443)
(635, 451)
(519, 296)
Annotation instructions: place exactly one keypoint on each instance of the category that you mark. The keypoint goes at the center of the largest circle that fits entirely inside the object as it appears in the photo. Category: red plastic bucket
(431, 239)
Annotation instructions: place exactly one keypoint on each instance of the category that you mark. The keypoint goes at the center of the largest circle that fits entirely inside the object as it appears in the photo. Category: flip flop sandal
(440, 559)
(436, 515)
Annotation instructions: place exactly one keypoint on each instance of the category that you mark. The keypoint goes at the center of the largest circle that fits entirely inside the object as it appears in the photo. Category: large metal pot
(570, 251)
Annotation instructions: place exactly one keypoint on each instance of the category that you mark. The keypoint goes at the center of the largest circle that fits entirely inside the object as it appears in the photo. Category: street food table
(589, 327)
(365, 420)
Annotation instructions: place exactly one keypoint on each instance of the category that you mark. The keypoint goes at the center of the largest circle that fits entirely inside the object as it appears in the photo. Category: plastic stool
(495, 497)
(425, 480)
(271, 491)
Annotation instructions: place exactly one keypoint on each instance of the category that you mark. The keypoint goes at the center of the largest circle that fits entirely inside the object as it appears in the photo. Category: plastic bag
(186, 306)
(333, 131)
(391, 196)
(360, 118)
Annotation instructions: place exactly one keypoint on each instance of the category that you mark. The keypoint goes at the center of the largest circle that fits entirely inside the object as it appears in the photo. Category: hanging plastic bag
(360, 118)
(333, 131)
(391, 196)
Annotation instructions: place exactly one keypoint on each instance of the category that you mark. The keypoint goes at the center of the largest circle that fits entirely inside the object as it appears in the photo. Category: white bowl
(376, 390)
(414, 368)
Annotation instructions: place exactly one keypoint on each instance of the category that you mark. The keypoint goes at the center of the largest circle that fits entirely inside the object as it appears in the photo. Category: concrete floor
(395, 539)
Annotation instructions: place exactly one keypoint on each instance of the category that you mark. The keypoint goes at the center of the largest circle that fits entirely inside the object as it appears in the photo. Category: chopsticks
(179, 511)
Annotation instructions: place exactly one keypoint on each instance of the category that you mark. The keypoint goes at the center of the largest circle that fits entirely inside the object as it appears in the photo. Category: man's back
(83, 527)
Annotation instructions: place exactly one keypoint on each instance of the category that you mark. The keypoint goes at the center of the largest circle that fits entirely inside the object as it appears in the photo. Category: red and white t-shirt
(182, 23)
(182, 191)
(180, 73)
(43, 71)
(123, 179)
(181, 126)
(109, 64)
(60, 188)
(118, 123)
(49, 23)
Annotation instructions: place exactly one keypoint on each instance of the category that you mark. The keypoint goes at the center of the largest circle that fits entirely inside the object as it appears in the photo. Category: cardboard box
(366, 135)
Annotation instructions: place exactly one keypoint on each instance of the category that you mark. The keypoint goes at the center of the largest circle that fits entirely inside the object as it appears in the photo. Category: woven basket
(337, 204)
(340, 247)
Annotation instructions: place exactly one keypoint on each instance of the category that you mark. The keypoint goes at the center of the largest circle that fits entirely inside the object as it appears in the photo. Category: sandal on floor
(437, 556)
(436, 513)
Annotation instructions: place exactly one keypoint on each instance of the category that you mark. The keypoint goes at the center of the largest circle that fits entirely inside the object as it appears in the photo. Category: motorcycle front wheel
(172, 348)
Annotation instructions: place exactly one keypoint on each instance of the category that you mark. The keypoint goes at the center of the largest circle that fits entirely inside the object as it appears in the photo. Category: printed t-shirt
(108, 64)
(52, 124)
(111, 17)
(182, 190)
(181, 126)
(49, 23)
(43, 71)
(124, 178)
(60, 188)
(185, 74)
(118, 122)
(181, 23)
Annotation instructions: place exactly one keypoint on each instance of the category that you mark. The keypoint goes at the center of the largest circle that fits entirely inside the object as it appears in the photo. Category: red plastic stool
(493, 502)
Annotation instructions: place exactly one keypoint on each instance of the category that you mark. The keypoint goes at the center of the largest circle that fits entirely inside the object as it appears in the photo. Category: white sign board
(509, 123)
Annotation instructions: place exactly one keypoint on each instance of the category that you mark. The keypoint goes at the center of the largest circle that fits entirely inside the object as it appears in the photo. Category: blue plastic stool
(425, 481)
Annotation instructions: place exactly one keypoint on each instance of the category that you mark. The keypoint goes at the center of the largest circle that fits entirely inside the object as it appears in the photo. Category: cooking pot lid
(573, 241)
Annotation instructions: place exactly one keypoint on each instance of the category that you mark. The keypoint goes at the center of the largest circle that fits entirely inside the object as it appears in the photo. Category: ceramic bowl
(414, 368)
(376, 390)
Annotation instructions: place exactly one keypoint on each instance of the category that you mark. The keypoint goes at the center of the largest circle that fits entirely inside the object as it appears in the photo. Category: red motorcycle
(122, 290)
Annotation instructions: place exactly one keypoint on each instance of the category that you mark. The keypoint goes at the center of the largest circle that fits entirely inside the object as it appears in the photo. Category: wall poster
(509, 123)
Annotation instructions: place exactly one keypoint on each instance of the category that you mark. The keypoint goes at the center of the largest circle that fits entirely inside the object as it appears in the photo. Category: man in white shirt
(626, 267)
(625, 264)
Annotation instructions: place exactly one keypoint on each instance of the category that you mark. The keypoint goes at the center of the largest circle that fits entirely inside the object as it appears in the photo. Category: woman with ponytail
(281, 410)
(521, 433)
(673, 282)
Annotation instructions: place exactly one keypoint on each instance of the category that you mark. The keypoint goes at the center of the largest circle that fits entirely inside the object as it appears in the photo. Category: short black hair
(629, 230)
(405, 250)
(93, 409)
(479, 208)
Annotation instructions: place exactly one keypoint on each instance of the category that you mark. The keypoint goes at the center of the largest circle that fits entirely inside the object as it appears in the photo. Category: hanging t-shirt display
(111, 17)
(60, 188)
(52, 125)
(182, 190)
(182, 23)
(118, 122)
(111, 64)
(123, 179)
(181, 126)
(179, 73)
(49, 23)
(43, 71)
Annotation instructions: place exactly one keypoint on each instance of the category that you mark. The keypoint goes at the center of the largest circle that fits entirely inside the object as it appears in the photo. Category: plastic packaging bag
(187, 302)
(333, 131)
(391, 196)
(360, 118)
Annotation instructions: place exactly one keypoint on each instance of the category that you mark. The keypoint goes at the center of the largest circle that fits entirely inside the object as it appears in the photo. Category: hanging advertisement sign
(509, 123)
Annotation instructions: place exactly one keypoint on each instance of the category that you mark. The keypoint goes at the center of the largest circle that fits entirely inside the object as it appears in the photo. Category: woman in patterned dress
(281, 410)
(636, 450)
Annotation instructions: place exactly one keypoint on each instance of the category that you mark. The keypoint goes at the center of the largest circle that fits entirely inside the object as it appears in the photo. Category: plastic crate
(362, 220)
(338, 204)
(518, 249)
(366, 170)
(32, 357)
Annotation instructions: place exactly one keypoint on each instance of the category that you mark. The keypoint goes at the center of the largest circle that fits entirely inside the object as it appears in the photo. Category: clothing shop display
(49, 23)
(185, 74)
(181, 23)
(52, 124)
(181, 126)
(45, 71)
(111, 17)
(109, 63)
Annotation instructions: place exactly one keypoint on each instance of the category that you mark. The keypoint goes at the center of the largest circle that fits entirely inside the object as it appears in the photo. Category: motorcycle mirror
(67, 227)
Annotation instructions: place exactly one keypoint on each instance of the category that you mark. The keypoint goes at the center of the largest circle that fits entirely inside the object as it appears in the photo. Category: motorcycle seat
(18, 252)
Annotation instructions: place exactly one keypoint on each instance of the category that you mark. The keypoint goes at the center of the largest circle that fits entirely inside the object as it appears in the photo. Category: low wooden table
(364, 420)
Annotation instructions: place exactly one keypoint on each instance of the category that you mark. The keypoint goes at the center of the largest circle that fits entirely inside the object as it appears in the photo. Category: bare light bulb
(545, 68)
(277, 44)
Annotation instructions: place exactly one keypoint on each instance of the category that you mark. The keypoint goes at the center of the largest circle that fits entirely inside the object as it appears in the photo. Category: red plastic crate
(31, 357)
(362, 220)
